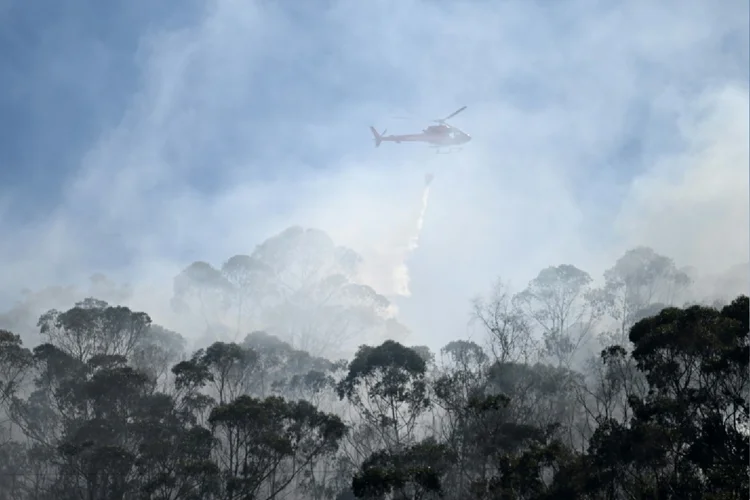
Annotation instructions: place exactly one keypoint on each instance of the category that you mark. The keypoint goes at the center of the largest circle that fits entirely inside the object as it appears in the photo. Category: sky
(139, 136)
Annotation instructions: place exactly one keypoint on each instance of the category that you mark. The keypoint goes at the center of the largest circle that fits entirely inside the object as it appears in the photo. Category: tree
(463, 378)
(250, 283)
(100, 428)
(15, 361)
(23, 316)
(508, 456)
(387, 384)
(639, 279)
(687, 437)
(540, 395)
(415, 472)
(612, 378)
(638, 286)
(174, 454)
(264, 444)
(228, 368)
(505, 324)
(93, 423)
(156, 351)
(202, 285)
(278, 362)
(111, 407)
(298, 286)
(94, 327)
(95, 453)
(557, 301)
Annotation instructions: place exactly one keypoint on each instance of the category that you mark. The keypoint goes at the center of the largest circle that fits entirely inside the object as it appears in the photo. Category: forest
(302, 384)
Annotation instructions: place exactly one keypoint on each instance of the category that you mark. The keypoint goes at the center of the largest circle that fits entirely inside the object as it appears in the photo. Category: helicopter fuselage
(436, 135)
(439, 135)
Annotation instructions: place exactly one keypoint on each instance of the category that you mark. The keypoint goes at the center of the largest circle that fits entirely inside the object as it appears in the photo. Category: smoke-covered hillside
(571, 390)
(248, 253)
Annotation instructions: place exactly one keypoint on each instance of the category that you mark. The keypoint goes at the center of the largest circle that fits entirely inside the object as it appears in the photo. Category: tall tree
(156, 352)
(265, 444)
(505, 324)
(229, 369)
(15, 363)
(387, 384)
(558, 303)
(22, 317)
(413, 473)
(297, 285)
(687, 436)
(640, 279)
(278, 362)
(200, 288)
(463, 378)
(94, 327)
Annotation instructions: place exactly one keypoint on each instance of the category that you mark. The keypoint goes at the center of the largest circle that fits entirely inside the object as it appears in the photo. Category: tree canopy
(297, 285)
(625, 390)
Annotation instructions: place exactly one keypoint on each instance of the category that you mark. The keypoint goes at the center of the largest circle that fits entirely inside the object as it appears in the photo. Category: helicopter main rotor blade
(451, 115)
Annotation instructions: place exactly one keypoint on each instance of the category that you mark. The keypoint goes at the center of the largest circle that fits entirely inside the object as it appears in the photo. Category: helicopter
(436, 136)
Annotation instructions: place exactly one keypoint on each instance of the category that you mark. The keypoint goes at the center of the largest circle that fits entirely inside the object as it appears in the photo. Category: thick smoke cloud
(693, 205)
(595, 128)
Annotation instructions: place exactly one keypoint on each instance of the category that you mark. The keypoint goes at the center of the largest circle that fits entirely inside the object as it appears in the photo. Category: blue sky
(138, 136)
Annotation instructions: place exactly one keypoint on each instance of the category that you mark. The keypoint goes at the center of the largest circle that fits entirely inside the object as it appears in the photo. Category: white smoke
(401, 271)
(394, 253)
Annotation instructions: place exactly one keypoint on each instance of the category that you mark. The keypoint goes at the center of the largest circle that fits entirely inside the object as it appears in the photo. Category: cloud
(595, 127)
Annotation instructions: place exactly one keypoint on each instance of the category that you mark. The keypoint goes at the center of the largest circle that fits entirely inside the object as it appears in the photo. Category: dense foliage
(631, 390)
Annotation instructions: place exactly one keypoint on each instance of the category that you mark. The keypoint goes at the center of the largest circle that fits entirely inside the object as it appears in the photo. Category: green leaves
(259, 437)
(15, 360)
(93, 421)
(391, 373)
(558, 301)
(687, 437)
(409, 473)
(392, 363)
(94, 327)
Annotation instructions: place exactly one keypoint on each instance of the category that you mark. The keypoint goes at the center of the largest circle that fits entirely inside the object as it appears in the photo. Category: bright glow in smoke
(401, 272)
(393, 255)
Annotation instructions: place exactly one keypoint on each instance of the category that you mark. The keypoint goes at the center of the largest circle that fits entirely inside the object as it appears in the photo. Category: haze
(139, 138)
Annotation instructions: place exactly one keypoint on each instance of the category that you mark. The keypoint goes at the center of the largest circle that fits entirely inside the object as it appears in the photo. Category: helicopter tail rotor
(378, 137)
